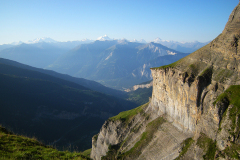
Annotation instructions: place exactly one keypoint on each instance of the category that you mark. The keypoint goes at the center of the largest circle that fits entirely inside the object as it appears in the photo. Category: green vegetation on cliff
(208, 145)
(172, 65)
(87, 152)
(136, 150)
(186, 144)
(19, 147)
(126, 116)
(231, 98)
(232, 151)
(232, 94)
(222, 75)
(146, 137)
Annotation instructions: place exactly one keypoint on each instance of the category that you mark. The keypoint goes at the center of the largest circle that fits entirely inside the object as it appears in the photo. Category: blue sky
(179, 20)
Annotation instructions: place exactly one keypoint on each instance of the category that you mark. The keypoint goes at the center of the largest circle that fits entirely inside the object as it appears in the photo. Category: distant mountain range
(64, 45)
(49, 40)
(185, 47)
(117, 64)
(37, 54)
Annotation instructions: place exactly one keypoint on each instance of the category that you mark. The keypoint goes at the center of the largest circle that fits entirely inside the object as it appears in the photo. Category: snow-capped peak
(83, 40)
(104, 38)
(123, 41)
(157, 40)
(134, 40)
(142, 41)
(44, 39)
(139, 41)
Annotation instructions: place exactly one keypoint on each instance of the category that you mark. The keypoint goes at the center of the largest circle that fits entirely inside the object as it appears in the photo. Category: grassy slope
(126, 116)
(19, 147)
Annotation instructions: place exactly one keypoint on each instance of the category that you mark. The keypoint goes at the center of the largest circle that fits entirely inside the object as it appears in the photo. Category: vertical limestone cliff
(176, 98)
(194, 112)
(184, 97)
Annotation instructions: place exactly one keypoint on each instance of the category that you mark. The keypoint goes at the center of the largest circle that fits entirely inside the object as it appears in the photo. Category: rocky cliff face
(174, 97)
(194, 110)
(137, 134)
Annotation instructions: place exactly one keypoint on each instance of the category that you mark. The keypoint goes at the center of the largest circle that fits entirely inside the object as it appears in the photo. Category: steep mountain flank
(194, 110)
(18, 69)
(53, 109)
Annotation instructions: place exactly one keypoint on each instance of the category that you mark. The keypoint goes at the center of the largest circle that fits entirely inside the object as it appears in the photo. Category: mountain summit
(44, 39)
(222, 52)
(104, 38)
(185, 47)
(228, 41)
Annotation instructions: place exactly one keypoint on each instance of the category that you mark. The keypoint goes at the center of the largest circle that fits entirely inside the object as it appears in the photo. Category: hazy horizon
(42, 39)
(182, 21)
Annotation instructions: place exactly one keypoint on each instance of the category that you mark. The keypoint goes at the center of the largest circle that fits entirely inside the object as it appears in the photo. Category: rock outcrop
(194, 110)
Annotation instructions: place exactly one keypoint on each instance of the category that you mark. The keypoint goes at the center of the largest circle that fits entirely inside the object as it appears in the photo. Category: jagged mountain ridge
(194, 108)
(185, 47)
(110, 62)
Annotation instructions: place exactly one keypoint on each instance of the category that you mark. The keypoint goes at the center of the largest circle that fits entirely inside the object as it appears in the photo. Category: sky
(68, 20)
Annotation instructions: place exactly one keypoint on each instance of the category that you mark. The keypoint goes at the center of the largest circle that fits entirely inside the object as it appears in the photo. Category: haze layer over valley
(105, 60)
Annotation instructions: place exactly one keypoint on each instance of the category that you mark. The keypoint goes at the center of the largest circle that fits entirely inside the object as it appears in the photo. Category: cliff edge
(194, 110)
